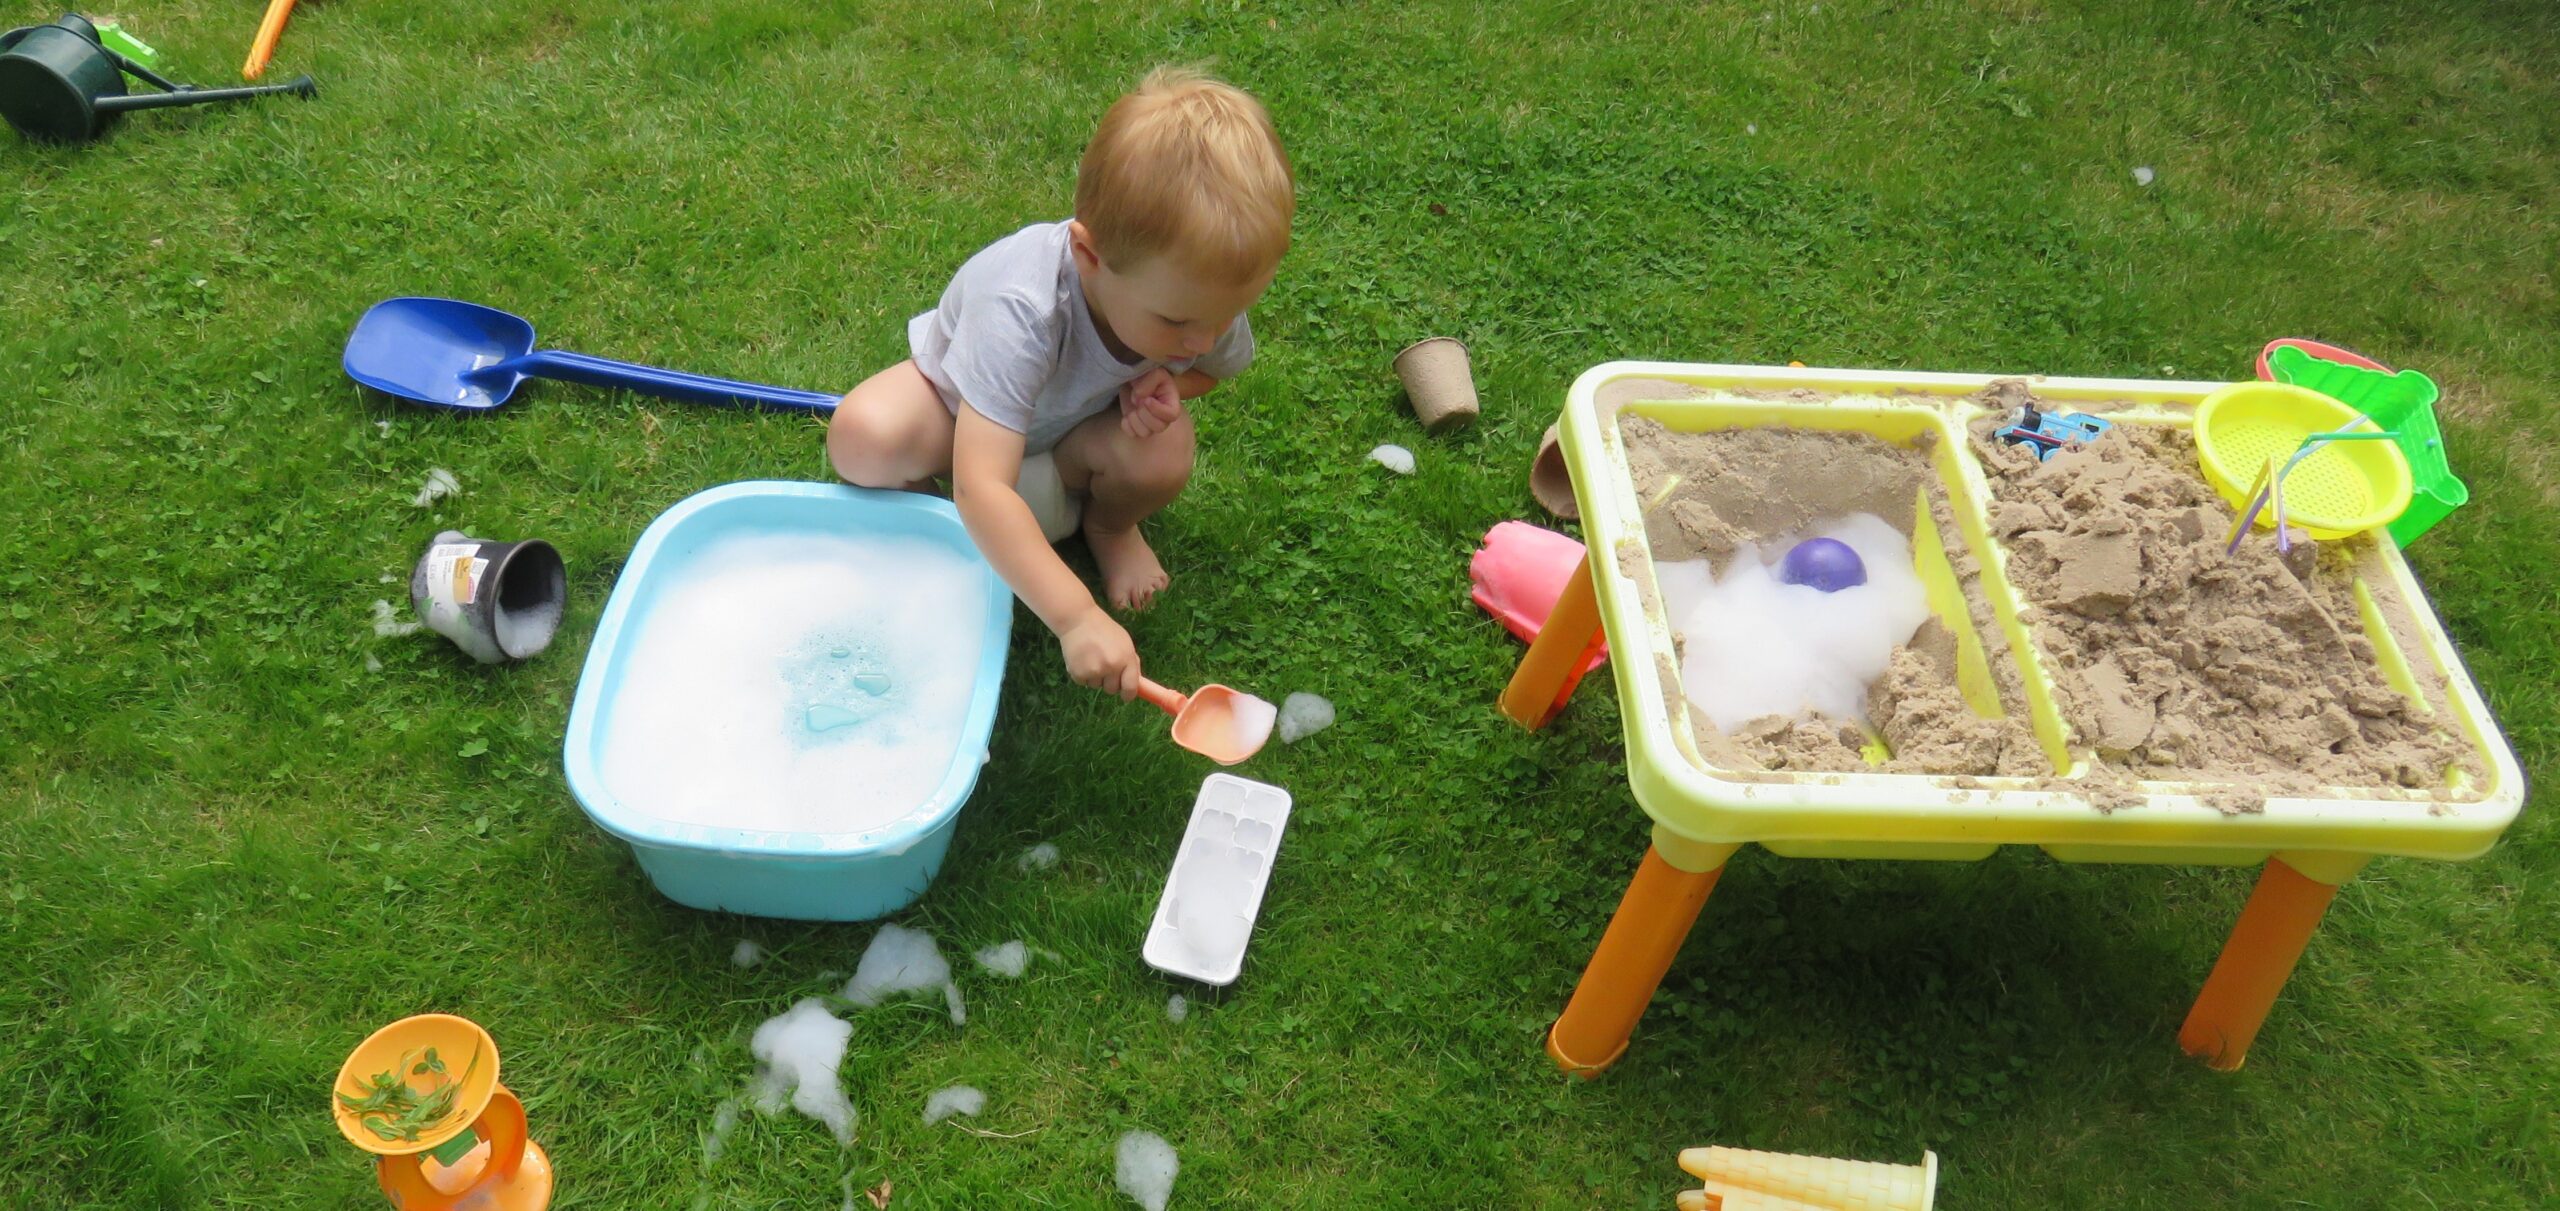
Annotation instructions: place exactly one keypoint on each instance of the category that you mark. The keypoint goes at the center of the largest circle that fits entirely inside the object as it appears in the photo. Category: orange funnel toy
(1221, 724)
(422, 1095)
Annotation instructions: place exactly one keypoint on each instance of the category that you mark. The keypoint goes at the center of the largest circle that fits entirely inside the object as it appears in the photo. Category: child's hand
(1100, 654)
(1149, 403)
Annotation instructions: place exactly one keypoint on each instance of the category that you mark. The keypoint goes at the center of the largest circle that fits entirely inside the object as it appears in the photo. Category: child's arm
(986, 459)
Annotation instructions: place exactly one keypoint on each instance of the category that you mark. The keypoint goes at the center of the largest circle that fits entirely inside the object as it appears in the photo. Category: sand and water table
(2102, 681)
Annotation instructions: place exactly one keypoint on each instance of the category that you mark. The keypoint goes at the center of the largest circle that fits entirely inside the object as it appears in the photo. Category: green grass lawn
(238, 831)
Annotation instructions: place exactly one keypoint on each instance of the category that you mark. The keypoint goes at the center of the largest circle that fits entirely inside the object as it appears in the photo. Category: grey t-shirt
(1012, 338)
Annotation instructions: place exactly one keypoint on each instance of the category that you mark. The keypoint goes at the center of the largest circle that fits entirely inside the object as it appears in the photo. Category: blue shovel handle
(650, 380)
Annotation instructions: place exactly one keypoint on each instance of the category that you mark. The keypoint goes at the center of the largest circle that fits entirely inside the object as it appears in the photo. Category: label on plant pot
(453, 577)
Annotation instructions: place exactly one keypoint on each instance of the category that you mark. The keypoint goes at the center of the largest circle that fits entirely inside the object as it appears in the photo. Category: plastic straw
(2268, 489)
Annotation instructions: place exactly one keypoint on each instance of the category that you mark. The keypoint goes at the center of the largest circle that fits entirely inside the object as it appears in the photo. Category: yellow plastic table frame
(2309, 845)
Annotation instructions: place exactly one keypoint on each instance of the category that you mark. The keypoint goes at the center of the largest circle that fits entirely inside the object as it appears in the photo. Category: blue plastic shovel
(453, 354)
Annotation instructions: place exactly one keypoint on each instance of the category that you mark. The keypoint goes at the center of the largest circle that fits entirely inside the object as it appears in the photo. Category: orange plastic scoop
(1224, 725)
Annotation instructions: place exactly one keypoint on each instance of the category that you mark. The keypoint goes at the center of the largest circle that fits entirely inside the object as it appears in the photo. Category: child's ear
(1080, 246)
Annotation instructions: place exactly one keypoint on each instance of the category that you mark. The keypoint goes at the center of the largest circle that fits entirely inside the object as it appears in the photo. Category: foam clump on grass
(723, 1121)
(800, 1052)
(1147, 1168)
(387, 623)
(1007, 959)
(1038, 857)
(747, 954)
(899, 962)
(440, 484)
(1303, 715)
(1393, 458)
(958, 1099)
(1177, 1007)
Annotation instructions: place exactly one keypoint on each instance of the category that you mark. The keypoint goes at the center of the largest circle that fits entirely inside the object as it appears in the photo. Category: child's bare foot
(1131, 575)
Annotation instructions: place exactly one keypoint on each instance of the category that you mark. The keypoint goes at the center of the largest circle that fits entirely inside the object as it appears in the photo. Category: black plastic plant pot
(498, 601)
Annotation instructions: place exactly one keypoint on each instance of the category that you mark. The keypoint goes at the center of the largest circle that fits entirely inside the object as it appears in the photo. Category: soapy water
(809, 683)
(1756, 646)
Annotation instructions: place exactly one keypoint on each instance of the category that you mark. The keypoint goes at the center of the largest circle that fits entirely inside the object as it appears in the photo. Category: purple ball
(1827, 564)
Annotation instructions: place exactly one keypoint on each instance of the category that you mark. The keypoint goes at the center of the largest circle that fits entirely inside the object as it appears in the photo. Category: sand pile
(2174, 660)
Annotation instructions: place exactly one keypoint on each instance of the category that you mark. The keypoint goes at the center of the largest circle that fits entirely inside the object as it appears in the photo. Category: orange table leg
(1661, 903)
(2256, 962)
(1547, 675)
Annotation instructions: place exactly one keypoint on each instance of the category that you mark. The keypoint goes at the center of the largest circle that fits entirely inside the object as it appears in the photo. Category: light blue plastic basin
(853, 876)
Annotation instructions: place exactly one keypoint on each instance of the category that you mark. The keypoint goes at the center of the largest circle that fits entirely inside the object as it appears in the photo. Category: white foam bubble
(1759, 647)
(1303, 715)
(958, 1099)
(746, 954)
(1177, 1007)
(1147, 1165)
(801, 684)
(1038, 857)
(1393, 458)
(901, 961)
(800, 1051)
(1249, 727)
(1007, 959)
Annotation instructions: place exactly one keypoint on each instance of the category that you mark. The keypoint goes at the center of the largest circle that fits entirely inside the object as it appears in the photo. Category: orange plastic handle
(1170, 702)
(404, 1178)
(270, 31)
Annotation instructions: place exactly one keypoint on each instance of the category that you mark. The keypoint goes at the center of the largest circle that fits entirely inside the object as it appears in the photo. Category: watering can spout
(301, 87)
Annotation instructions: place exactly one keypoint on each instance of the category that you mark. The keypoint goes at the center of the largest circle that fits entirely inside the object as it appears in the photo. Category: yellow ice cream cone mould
(422, 1095)
(1738, 1179)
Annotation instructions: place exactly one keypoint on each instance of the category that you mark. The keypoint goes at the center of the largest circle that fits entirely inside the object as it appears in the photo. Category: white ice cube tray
(1214, 895)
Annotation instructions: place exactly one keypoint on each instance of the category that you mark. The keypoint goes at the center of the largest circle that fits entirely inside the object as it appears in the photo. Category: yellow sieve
(2342, 488)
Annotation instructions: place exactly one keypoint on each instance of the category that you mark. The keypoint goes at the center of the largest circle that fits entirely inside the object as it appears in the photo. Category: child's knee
(1162, 463)
(873, 448)
(858, 445)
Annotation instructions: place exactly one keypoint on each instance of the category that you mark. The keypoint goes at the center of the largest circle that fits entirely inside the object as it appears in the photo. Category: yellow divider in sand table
(1946, 600)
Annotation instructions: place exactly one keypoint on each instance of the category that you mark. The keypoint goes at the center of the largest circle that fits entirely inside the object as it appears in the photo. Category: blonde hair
(1190, 166)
